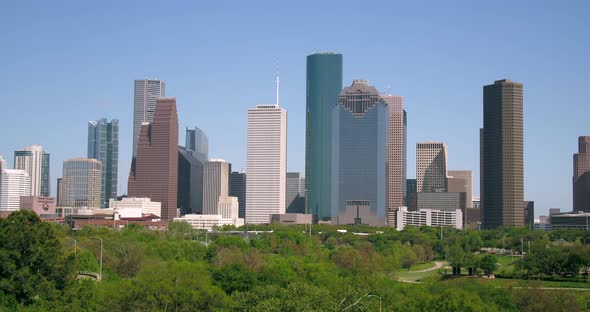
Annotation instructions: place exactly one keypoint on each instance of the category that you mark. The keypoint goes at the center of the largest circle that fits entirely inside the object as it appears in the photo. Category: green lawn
(413, 276)
(504, 282)
(422, 266)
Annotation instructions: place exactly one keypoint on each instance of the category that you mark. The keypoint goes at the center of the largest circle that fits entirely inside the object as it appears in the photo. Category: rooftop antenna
(388, 89)
(278, 82)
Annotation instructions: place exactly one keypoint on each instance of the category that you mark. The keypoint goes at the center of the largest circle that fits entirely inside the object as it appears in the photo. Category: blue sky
(63, 63)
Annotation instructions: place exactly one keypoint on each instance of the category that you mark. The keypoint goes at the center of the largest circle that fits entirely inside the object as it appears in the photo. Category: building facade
(581, 178)
(144, 204)
(215, 184)
(237, 188)
(441, 201)
(44, 207)
(529, 214)
(81, 183)
(576, 220)
(411, 194)
(503, 146)
(146, 92)
(295, 194)
(35, 161)
(190, 182)
(428, 217)
(154, 170)
(460, 181)
(266, 163)
(323, 84)
(208, 222)
(14, 183)
(197, 142)
(431, 167)
(103, 145)
(228, 207)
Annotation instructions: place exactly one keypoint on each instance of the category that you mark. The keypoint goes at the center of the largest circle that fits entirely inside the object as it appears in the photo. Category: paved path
(437, 265)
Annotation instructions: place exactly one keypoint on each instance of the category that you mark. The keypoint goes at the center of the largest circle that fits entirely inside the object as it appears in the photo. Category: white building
(13, 184)
(428, 217)
(215, 184)
(143, 204)
(228, 207)
(266, 163)
(208, 222)
(431, 167)
(35, 162)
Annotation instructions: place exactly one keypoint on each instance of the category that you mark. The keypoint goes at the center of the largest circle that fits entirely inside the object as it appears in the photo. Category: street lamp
(75, 244)
(100, 270)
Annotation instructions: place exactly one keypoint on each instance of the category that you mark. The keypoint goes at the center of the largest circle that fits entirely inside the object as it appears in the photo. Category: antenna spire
(278, 82)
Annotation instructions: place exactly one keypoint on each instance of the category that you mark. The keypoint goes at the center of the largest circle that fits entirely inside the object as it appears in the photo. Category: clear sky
(64, 63)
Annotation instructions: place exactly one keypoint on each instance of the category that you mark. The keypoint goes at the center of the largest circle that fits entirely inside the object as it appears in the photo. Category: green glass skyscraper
(324, 83)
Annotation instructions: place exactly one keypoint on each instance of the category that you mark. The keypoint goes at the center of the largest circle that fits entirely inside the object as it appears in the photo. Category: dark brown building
(502, 147)
(154, 170)
(529, 214)
(581, 179)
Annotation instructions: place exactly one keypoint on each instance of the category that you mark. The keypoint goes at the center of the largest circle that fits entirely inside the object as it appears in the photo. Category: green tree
(488, 263)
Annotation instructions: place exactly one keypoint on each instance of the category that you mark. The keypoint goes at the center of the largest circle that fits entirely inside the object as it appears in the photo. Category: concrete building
(431, 167)
(14, 183)
(574, 220)
(553, 211)
(144, 204)
(581, 178)
(154, 170)
(208, 222)
(411, 194)
(44, 207)
(502, 150)
(35, 161)
(81, 183)
(460, 181)
(323, 83)
(103, 145)
(291, 218)
(190, 182)
(441, 201)
(367, 155)
(228, 207)
(295, 194)
(197, 142)
(237, 188)
(428, 217)
(144, 104)
(215, 184)
(266, 163)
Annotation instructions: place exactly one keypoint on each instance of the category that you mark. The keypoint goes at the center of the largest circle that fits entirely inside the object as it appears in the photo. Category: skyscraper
(190, 182)
(35, 161)
(154, 171)
(215, 184)
(460, 181)
(503, 145)
(323, 83)
(237, 188)
(144, 104)
(431, 167)
(367, 155)
(13, 184)
(103, 145)
(295, 193)
(266, 163)
(411, 190)
(581, 178)
(198, 143)
(81, 183)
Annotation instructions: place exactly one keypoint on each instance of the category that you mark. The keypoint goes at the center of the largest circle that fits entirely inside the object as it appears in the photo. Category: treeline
(286, 270)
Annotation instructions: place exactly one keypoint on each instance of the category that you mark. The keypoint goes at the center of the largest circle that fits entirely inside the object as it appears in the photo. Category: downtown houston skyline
(219, 73)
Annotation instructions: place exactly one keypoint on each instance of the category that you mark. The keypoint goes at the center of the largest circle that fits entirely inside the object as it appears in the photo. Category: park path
(437, 265)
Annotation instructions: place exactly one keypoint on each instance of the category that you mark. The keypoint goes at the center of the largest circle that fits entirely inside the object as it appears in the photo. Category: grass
(502, 282)
(406, 275)
(422, 266)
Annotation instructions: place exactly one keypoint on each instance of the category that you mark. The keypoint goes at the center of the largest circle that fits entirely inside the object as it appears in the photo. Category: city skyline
(430, 117)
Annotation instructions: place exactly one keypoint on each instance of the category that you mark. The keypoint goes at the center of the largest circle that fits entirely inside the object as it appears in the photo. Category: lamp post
(75, 244)
(100, 270)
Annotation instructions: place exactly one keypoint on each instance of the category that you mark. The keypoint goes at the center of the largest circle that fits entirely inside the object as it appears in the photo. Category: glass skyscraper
(81, 183)
(103, 145)
(35, 161)
(323, 83)
(146, 93)
(198, 143)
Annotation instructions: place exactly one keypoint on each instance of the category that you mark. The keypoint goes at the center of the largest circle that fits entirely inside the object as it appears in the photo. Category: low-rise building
(428, 217)
(208, 222)
(44, 207)
(291, 218)
(570, 220)
(143, 203)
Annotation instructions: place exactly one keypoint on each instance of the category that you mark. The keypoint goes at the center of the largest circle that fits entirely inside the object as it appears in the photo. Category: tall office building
(144, 104)
(503, 145)
(59, 193)
(323, 83)
(581, 178)
(215, 184)
(411, 193)
(81, 183)
(35, 161)
(460, 181)
(190, 182)
(295, 193)
(154, 171)
(367, 155)
(431, 167)
(103, 145)
(198, 143)
(237, 188)
(266, 163)
(13, 184)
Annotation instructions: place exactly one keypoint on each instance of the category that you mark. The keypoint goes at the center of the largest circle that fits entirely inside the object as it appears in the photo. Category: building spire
(278, 82)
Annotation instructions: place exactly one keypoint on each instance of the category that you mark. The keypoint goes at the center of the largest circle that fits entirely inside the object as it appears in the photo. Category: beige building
(81, 183)
(42, 206)
(460, 181)
(215, 184)
(143, 203)
(431, 167)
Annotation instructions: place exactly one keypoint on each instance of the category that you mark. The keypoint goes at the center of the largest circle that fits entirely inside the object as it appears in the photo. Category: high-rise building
(440, 200)
(431, 167)
(323, 83)
(35, 161)
(14, 183)
(411, 190)
(190, 182)
(144, 104)
(503, 145)
(581, 178)
(198, 143)
(367, 155)
(237, 188)
(295, 193)
(154, 171)
(266, 163)
(103, 145)
(460, 181)
(215, 184)
(529, 213)
(59, 193)
(81, 183)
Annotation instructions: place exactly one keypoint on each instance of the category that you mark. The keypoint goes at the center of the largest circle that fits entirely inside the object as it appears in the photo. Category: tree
(488, 263)
(234, 277)
(408, 258)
